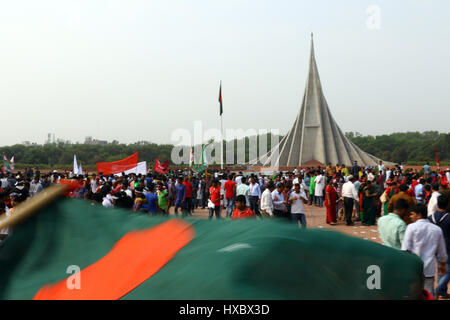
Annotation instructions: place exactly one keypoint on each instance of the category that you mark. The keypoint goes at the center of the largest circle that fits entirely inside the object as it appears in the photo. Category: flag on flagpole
(205, 159)
(11, 165)
(220, 98)
(437, 160)
(75, 165)
(6, 164)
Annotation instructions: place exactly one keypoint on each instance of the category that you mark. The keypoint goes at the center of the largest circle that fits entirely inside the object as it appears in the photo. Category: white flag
(80, 169)
(75, 165)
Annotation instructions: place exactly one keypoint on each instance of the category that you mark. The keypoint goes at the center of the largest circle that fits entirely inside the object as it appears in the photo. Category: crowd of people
(411, 206)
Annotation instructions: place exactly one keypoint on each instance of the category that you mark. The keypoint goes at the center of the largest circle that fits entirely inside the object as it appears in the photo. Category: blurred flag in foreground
(124, 255)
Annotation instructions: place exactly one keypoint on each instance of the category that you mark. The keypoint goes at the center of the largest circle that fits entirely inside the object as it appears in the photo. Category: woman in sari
(368, 204)
(330, 202)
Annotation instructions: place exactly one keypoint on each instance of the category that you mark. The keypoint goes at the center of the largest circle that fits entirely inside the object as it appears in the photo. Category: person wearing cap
(151, 200)
(139, 200)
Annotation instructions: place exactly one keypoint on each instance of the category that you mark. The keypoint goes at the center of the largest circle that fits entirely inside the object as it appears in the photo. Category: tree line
(406, 147)
(413, 148)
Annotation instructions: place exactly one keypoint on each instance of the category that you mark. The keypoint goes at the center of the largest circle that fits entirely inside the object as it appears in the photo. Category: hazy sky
(137, 70)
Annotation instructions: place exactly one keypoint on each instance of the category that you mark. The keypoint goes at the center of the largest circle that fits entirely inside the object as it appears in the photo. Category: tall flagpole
(221, 144)
(221, 126)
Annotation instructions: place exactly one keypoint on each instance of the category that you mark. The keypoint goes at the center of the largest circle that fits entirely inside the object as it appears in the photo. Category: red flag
(437, 160)
(118, 166)
(161, 168)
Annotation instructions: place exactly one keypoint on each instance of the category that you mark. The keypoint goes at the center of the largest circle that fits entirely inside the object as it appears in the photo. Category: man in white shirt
(426, 240)
(109, 201)
(388, 174)
(432, 204)
(297, 200)
(300, 181)
(266, 200)
(238, 179)
(320, 186)
(255, 195)
(381, 167)
(350, 196)
(279, 203)
(4, 181)
(244, 189)
(35, 186)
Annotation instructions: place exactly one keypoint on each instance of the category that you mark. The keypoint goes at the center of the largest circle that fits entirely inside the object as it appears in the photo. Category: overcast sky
(137, 70)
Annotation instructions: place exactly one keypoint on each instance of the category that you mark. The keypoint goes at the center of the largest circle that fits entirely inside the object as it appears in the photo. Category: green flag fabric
(226, 259)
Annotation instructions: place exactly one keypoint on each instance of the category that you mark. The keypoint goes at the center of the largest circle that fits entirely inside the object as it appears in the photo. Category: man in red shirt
(242, 211)
(215, 197)
(188, 198)
(230, 194)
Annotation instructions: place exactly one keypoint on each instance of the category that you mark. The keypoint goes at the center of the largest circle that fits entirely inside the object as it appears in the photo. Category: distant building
(90, 140)
(29, 144)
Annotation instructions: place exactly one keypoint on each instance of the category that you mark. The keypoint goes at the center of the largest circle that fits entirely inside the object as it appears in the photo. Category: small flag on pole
(205, 159)
(6, 164)
(437, 160)
(75, 165)
(220, 98)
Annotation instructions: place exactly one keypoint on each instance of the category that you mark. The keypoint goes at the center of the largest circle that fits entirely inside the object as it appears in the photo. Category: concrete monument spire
(315, 136)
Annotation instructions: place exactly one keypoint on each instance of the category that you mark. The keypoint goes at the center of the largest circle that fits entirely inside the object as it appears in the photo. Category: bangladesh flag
(124, 255)
(7, 166)
(220, 98)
